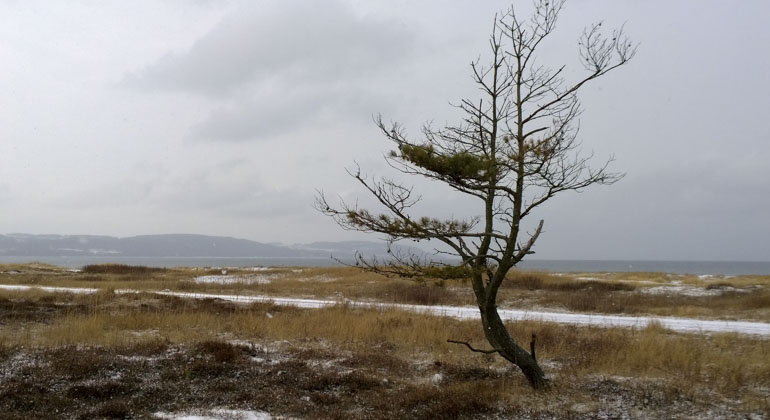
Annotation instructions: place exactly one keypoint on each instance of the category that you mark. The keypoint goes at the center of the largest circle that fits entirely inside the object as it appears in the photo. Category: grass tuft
(418, 294)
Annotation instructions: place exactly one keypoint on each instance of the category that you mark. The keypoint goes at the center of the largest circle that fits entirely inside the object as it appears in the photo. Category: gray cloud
(279, 42)
(228, 188)
(274, 67)
(274, 111)
(223, 195)
(228, 114)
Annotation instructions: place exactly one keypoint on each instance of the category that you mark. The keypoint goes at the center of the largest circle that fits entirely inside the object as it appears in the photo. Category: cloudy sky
(224, 117)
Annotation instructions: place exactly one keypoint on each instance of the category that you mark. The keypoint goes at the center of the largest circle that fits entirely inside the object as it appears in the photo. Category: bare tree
(514, 149)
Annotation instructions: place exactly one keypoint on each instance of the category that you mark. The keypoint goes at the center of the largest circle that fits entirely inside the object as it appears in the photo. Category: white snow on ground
(216, 414)
(694, 290)
(293, 270)
(49, 289)
(468, 312)
(231, 279)
(682, 290)
(323, 278)
(257, 268)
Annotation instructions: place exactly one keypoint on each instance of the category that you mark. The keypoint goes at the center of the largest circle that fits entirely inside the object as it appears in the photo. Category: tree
(514, 149)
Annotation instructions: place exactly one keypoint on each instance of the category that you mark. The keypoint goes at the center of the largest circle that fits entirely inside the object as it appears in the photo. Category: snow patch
(144, 333)
(233, 279)
(16, 363)
(683, 290)
(437, 379)
(469, 312)
(215, 414)
(323, 278)
(268, 354)
(79, 290)
(139, 359)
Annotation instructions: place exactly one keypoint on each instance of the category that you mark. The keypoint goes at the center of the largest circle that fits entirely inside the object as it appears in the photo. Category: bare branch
(472, 349)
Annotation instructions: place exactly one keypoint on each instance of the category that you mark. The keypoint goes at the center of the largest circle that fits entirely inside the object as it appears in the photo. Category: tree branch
(472, 349)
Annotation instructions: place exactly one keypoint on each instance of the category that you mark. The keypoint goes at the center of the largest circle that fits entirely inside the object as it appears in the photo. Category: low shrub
(121, 269)
(222, 352)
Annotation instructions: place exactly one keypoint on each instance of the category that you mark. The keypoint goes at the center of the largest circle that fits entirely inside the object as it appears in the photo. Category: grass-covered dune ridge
(655, 294)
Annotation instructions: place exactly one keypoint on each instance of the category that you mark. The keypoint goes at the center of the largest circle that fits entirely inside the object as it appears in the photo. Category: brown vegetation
(121, 269)
(129, 355)
(742, 297)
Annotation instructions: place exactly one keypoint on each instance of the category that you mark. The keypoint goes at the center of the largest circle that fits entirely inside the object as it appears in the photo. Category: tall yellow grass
(727, 362)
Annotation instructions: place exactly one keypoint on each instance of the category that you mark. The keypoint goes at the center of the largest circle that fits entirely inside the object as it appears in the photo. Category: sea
(703, 268)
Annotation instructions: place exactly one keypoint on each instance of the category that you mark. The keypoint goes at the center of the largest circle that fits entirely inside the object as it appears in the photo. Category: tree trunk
(501, 340)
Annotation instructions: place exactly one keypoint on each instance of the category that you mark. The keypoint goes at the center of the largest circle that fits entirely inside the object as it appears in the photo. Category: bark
(506, 346)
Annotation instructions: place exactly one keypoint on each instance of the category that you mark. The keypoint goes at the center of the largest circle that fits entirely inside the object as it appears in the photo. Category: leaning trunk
(501, 340)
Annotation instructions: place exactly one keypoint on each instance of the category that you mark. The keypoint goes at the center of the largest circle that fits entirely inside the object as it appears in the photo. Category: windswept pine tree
(515, 148)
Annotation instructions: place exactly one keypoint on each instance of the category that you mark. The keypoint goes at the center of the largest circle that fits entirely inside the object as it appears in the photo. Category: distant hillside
(176, 245)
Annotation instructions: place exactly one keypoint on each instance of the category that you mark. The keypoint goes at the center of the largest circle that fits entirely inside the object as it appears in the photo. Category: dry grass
(751, 305)
(121, 320)
(127, 355)
(627, 293)
(648, 279)
(743, 297)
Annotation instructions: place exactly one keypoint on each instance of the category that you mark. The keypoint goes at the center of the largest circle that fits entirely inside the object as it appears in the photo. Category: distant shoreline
(703, 268)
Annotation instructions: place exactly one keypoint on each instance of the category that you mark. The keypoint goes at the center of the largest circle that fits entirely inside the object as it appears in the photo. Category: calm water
(731, 268)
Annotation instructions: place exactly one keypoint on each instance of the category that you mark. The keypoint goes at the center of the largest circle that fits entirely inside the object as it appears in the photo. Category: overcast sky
(224, 117)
